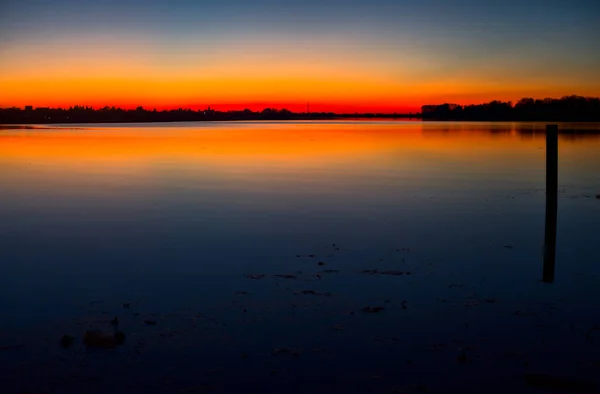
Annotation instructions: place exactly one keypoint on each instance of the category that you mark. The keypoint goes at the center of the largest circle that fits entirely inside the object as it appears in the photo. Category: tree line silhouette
(85, 114)
(567, 108)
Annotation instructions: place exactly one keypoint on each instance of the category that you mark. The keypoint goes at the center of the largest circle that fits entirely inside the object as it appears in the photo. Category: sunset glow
(236, 56)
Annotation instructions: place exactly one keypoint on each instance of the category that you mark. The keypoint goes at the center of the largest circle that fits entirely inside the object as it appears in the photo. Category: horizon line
(198, 108)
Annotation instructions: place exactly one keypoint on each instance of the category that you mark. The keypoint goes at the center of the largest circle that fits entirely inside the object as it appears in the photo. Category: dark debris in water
(437, 346)
(373, 309)
(285, 350)
(387, 272)
(255, 276)
(393, 273)
(316, 293)
(10, 347)
(66, 341)
(101, 340)
(370, 272)
(286, 276)
(548, 382)
(150, 322)
(525, 313)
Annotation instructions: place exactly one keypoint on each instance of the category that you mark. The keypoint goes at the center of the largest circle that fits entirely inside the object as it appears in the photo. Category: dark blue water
(170, 221)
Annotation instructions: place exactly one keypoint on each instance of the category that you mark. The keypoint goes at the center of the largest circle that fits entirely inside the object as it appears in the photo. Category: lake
(409, 257)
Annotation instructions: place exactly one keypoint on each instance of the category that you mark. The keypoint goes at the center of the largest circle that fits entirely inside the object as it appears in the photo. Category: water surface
(171, 217)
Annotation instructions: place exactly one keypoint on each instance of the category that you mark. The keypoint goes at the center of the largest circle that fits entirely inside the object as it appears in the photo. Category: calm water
(171, 217)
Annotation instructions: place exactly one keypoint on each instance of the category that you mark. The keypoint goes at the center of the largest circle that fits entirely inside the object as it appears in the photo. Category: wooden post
(551, 202)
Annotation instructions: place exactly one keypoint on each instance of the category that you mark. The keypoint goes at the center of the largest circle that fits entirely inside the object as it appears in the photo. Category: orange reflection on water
(398, 144)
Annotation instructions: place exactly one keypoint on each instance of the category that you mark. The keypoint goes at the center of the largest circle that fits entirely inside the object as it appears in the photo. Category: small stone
(127, 305)
(462, 358)
(66, 341)
(114, 322)
(320, 263)
(150, 322)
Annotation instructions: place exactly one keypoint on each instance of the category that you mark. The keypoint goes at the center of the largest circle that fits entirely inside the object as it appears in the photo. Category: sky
(343, 56)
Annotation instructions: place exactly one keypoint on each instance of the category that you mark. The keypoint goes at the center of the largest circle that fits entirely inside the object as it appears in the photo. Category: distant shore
(566, 109)
(90, 115)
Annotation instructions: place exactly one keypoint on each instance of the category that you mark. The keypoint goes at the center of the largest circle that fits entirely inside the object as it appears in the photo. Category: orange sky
(157, 56)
